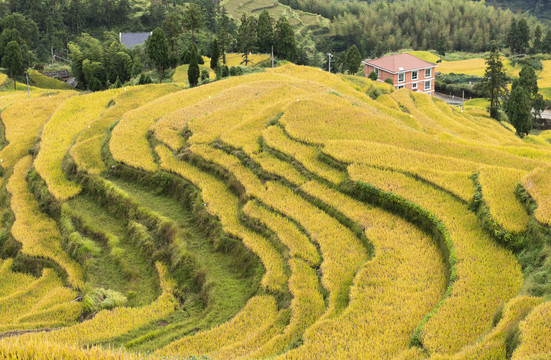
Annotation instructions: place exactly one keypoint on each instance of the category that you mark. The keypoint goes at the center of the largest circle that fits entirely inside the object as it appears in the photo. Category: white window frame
(414, 75)
(400, 87)
(377, 72)
(428, 72)
(429, 83)
(403, 75)
(414, 85)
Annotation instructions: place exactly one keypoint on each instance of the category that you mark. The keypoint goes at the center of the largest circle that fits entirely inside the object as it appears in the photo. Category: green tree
(215, 55)
(12, 60)
(518, 109)
(193, 69)
(172, 25)
(156, 47)
(123, 66)
(546, 44)
(528, 80)
(512, 36)
(193, 19)
(494, 83)
(284, 39)
(373, 76)
(265, 32)
(224, 36)
(523, 41)
(353, 59)
(537, 44)
(246, 38)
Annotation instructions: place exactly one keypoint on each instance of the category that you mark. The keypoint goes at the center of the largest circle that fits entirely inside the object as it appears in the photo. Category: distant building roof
(133, 39)
(399, 63)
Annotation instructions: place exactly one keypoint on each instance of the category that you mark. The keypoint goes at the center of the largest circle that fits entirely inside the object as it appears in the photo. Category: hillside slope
(289, 214)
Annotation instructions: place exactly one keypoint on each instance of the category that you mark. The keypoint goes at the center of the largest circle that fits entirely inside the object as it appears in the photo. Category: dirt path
(8, 334)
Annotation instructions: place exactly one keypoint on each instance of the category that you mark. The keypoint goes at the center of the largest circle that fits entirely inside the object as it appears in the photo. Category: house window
(427, 73)
(401, 77)
(427, 85)
(414, 75)
(414, 85)
(377, 72)
(400, 87)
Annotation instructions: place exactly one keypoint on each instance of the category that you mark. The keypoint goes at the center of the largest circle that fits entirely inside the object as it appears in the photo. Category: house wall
(408, 82)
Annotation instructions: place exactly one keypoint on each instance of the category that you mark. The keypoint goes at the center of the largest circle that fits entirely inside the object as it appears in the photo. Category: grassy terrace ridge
(285, 214)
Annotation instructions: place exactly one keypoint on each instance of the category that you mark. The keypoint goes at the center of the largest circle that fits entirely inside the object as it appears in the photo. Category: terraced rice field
(278, 215)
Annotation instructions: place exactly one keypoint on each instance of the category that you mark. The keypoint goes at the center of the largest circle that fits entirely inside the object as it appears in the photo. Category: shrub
(373, 76)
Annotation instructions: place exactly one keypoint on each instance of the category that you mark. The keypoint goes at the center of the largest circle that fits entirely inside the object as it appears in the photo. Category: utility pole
(52, 52)
(463, 101)
(272, 56)
(329, 55)
(28, 90)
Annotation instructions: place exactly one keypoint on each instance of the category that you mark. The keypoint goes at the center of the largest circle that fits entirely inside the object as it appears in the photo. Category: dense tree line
(539, 8)
(377, 27)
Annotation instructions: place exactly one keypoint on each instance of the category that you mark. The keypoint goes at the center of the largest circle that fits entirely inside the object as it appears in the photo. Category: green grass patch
(127, 270)
(226, 291)
(45, 82)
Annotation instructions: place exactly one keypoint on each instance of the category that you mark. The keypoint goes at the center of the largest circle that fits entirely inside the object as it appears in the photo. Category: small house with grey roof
(133, 39)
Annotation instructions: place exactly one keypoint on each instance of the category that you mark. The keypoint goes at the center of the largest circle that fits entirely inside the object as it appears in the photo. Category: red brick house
(405, 70)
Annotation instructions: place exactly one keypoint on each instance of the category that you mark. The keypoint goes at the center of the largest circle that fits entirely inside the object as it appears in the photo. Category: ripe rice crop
(129, 143)
(306, 307)
(299, 245)
(45, 82)
(19, 306)
(22, 135)
(535, 334)
(234, 59)
(537, 185)
(307, 155)
(59, 132)
(259, 312)
(493, 345)
(37, 349)
(341, 260)
(470, 67)
(10, 281)
(34, 230)
(498, 190)
(402, 283)
(180, 74)
(448, 173)
(272, 164)
(487, 275)
(225, 206)
(108, 324)
(87, 149)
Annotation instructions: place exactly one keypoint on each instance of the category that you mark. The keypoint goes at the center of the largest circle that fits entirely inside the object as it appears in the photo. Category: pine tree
(523, 40)
(193, 69)
(285, 42)
(353, 59)
(13, 60)
(536, 44)
(193, 19)
(512, 36)
(546, 45)
(265, 32)
(224, 36)
(215, 55)
(494, 83)
(246, 37)
(518, 109)
(172, 26)
(528, 80)
(157, 50)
